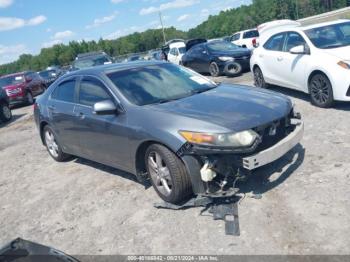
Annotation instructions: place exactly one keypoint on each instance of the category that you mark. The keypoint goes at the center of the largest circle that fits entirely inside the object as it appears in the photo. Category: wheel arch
(140, 165)
(41, 130)
(312, 74)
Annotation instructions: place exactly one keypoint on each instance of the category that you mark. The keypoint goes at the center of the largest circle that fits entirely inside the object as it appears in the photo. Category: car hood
(340, 52)
(236, 53)
(9, 87)
(233, 107)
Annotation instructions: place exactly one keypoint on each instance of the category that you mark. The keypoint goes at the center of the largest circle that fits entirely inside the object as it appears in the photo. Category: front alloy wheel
(160, 173)
(321, 91)
(168, 174)
(5, 113)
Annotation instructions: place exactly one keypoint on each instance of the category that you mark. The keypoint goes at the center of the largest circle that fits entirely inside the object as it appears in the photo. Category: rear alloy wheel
(321, 91)
(29, 98)
(259, 80)
(5, 113)
(168, 174)
(52, 145)
(214, 69)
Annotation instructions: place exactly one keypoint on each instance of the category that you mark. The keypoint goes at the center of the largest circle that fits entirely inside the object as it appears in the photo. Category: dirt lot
(84, 208)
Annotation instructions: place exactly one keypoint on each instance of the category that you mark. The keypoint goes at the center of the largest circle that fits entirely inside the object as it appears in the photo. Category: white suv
(313, 59)
(176, 52)
(248, 38)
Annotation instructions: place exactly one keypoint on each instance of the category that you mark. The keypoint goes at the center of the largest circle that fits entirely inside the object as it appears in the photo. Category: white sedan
(313, 59)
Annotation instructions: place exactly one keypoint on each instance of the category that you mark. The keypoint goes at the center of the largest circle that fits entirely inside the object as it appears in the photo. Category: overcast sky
(26, 26)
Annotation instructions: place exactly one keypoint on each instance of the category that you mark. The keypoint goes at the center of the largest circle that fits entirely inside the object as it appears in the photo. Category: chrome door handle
(279, 59)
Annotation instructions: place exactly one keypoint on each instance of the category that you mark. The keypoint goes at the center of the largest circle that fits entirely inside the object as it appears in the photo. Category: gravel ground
(81, 207)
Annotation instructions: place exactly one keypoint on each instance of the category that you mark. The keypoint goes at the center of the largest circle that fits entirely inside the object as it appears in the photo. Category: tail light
(35, 106)
(254, 42)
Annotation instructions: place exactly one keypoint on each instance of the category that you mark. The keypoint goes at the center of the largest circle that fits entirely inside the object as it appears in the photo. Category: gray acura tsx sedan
(187, 134)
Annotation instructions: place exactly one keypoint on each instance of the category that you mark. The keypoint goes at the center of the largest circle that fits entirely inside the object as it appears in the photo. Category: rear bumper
(275, 152)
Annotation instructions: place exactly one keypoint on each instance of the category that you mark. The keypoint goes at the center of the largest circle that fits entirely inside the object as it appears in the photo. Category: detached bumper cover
(275, 152)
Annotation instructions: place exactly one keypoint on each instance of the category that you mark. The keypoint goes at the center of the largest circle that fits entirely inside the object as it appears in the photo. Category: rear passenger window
(92, 91)
(65, 91)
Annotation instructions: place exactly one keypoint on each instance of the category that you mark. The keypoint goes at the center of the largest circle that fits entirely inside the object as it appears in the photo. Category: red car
(22, 87)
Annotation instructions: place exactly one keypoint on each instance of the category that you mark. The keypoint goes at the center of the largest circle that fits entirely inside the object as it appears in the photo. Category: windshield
(48, 73)
(159, 83)
(90, 62)
(330, 36)
(222, 46)
(11, 80)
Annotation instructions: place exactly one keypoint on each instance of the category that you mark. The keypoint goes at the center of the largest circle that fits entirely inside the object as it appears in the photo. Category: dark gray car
(186, 133)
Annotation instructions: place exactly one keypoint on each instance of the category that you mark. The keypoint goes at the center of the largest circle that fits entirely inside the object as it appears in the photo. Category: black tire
(259, 80)
(181, 188)
(29, 98)
(61, 156)
(5, 113)
(233, 69)
(321, 91)
(214, 69)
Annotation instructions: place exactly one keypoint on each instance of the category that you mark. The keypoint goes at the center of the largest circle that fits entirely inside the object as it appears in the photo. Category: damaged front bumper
(230, 167)
(277, 151)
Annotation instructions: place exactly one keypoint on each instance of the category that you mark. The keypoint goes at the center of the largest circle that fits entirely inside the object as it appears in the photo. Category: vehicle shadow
(345, 106)
(13, 119)
(112, 171)
(259, 181)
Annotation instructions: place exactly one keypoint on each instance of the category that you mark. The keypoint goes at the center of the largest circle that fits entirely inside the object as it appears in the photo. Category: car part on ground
(292, 56)
(225, 209)
(225, 132)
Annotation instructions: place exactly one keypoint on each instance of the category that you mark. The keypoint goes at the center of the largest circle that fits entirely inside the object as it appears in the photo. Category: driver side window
(92, 91)
(275, 43)
(293, 40)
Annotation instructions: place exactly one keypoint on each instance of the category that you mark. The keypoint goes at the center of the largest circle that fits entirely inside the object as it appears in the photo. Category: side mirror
(299, 50)
(106, 107)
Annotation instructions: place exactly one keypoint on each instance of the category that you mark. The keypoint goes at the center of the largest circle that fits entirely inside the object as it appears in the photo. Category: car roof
(105, 69)
(14, 74)
(339, 21)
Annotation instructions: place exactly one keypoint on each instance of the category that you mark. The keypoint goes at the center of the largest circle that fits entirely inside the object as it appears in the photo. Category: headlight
(344, 64)
(240, 139)
(226, 58)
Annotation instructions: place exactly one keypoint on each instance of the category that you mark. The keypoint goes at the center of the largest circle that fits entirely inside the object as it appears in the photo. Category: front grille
(12, 91)
(282, 128)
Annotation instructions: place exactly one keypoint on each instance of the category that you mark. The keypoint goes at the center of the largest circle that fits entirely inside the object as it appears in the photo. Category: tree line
(225, 23)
